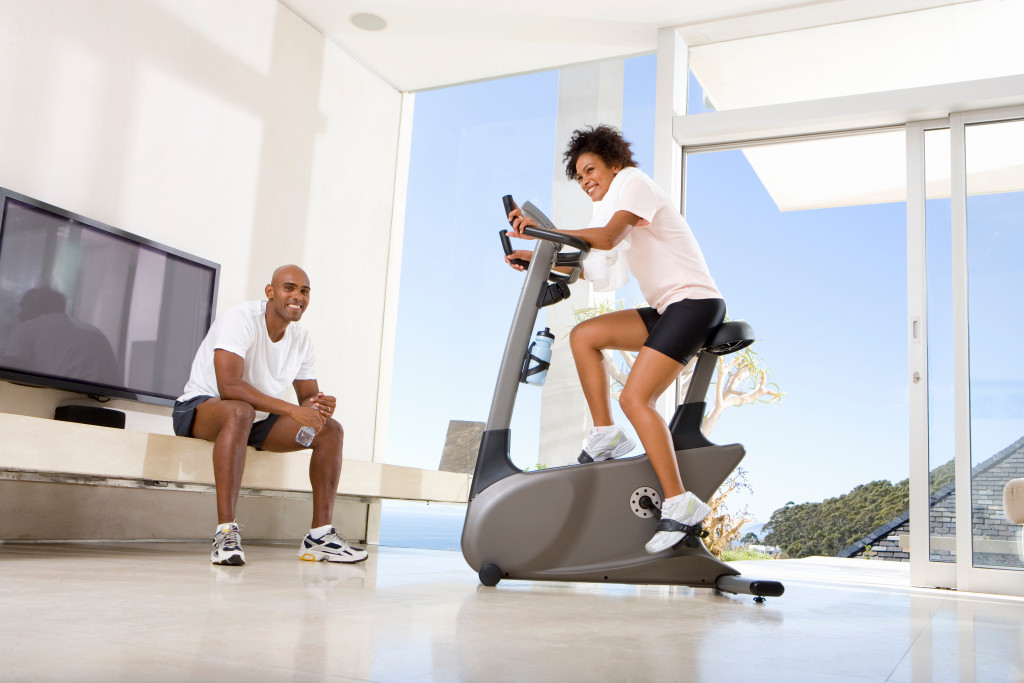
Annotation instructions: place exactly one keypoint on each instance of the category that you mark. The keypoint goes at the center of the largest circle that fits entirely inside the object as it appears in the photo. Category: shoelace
(231, 538)
(594, 439)
(336, 537)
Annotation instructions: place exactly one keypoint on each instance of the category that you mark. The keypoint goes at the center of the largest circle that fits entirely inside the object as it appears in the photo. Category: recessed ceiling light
(368, 22)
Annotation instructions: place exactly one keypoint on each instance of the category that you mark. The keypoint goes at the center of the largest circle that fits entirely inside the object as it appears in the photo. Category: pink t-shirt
(663, 255)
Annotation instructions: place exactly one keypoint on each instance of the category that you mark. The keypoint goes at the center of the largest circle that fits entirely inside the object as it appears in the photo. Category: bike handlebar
(542, 234)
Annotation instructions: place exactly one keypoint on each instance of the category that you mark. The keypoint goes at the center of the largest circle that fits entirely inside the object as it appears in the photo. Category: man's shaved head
(287, 294)
(290, 273)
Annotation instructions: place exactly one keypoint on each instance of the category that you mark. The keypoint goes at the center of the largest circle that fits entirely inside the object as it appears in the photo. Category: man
(46, 339)
(248, 358)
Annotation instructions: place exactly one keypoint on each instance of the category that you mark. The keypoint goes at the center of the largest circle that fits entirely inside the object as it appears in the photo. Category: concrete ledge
(36, 445)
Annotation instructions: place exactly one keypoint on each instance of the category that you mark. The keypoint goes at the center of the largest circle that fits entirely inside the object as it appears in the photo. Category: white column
(390, 322)
(588, 95)
(671, 83)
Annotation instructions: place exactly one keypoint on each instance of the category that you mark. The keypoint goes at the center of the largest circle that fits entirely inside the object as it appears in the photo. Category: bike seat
(729, 337)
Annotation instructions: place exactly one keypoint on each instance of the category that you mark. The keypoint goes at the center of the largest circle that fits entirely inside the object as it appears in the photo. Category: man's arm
(229, 368)
(308, 392)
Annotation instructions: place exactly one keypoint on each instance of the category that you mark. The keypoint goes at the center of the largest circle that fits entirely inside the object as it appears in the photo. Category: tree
(830, 526)
(741, 381)
(724, 527)
(826, 528)
(750, 539)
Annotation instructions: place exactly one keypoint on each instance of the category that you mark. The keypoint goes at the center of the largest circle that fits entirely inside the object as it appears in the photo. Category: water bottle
(305, 436)
(538, 358)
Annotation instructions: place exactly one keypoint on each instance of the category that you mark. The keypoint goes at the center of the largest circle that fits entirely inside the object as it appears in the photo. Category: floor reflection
(159, 611)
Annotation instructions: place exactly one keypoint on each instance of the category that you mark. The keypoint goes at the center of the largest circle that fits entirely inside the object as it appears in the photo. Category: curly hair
(604, 141)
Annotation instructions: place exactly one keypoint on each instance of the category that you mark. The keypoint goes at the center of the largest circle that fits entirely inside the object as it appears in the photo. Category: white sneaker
(606, 445)
(331, 548)
(686, 510)
(227, 547)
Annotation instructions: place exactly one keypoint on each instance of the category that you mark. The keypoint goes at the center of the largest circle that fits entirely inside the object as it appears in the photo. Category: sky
(825, 291)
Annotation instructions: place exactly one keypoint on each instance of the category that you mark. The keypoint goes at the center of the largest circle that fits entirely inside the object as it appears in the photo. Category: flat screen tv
(89, 308)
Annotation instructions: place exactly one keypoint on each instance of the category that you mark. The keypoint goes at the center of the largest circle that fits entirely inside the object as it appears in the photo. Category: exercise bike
(589, 522)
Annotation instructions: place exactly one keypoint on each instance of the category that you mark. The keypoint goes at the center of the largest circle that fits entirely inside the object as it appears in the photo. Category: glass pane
(942, 500)
(458, 172)
(457, 297)
(807, 241)
(995, 243)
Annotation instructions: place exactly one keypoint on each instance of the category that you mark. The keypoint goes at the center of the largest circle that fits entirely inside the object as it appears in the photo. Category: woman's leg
(652, 374)
(621, 330)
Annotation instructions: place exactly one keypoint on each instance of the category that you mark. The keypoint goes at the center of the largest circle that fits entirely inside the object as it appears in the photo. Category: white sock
(225, 527)
(606, 430)
(674, 500)
(320, 532)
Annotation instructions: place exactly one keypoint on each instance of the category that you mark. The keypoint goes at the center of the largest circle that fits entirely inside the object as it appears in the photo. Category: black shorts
(684, 327)
(184, 416)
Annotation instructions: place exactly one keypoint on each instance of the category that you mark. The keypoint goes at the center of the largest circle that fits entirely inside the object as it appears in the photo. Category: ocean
(432, 526)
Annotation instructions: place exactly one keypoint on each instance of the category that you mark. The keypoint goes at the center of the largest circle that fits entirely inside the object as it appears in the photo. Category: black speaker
(90, 415)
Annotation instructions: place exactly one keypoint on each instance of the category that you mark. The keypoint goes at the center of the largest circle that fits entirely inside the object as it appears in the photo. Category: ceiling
(434, 43)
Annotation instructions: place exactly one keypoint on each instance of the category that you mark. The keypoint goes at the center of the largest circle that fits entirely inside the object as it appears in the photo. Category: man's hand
(322, 402)
(308, 416)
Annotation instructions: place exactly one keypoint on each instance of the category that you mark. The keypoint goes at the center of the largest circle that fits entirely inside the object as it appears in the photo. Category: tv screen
(90, 308)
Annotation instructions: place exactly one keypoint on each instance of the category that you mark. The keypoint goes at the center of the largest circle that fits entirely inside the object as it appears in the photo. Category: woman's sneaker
(686, 510)
(227, 547)
(331, 548)
(605, 446)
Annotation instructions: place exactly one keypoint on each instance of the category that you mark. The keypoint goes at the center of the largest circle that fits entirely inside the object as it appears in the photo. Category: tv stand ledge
(36, 449)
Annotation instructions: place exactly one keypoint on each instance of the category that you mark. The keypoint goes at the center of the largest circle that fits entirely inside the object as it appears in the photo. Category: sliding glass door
(965, 242)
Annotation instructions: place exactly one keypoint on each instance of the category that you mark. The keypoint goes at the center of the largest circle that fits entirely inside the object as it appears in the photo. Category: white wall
(230, 129)
(586, 93)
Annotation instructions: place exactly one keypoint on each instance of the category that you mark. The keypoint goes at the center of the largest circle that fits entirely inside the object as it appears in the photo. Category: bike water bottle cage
(541, 366)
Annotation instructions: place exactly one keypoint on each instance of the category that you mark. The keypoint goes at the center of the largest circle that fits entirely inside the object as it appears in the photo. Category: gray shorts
(184, 416)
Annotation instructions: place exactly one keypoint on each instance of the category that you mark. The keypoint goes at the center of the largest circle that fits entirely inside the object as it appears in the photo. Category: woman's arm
(526, 255)
(603, 238)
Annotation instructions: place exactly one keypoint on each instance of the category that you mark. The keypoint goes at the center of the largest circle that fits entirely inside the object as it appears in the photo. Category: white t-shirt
(270, 366)
(662, 252)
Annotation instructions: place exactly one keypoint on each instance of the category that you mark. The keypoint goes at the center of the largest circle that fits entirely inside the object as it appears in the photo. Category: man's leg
(321, 544)
(324, 464)
(227, 425)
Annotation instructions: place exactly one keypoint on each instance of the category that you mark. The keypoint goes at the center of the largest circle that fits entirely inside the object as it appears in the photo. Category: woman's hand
(521, 254)
(519, 221)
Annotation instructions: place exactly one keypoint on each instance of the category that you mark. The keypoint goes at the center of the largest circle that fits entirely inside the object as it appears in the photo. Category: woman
(635, 222)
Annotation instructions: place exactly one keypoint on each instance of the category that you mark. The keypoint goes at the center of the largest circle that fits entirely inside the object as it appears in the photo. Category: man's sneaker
(331, 548)
(605, 446)
(227, 547)
(679, 517)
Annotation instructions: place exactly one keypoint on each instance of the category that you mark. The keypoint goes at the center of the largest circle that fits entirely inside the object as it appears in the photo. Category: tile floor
(160, 612)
